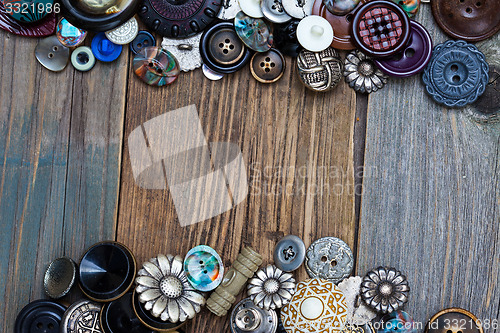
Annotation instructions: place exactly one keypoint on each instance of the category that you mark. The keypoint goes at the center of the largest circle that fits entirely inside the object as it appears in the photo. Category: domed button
(156, 67)
(222, 50)
(267, 67)
(83, 59)
(255, 33)
(385, 289)
(118, 316)
(314, 33)
(142, 40)
(246, 317)
(179, 19)
(289, 253)
(273, 11)
(68, 34)
(409, 6)
(320, 71)
(457, 74)
(340, 7)
(362, 74)
(103, 49)
(298, 8)
(470, 20)
(28, 11)
(204, 268)
(125, 33)
(82, 316)
(51, 54)
(285, 38)
(451, 320)
(40, 316)
(329, 258)
(413, 59)
(42, 28)
(381, 28)
(148, 320)
(59, 277)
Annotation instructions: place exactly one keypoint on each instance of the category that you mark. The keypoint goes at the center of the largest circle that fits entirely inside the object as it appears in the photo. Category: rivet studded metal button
(142, 40)
(42, 28)
(29, 11)
(289, 253)
(273, 11)
(125, 33)
(457, 73)
(52, 54)
(186, 51)
(298, 8)
(40, 316)
(340, 7)
(454, 320)
(329, 258)
(381, 28)
(385, 289)
(204, 268)
(267, 67)
(59, 277)
(82, 316)
(248, 318)
(83, 59)
(251, 8)
(320, 71)
(118, 317)
(285, 38)
(409, 6)
(155, 66)
(68, 34)
(103, 49)
(362, 74)
(314, 33)
(397, 322)
(412, 59)
(255, 33)
(470, 20)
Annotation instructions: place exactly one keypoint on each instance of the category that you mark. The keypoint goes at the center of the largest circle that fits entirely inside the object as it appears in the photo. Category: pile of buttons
(168, 291)
(223, 36)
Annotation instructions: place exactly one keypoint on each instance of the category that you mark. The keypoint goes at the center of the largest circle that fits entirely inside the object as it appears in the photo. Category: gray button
(248, 318)
(273, 11)
(298, 8)
(289, 253)
(51, 54)
(329, 258)
(229, 9)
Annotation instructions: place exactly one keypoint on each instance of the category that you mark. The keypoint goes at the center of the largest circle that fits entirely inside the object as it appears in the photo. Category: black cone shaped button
(118, 316)
(40, 317)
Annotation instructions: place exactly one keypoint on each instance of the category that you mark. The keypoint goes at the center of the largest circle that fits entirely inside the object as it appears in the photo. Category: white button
(252, 8)
(312, 308)
(314, 33)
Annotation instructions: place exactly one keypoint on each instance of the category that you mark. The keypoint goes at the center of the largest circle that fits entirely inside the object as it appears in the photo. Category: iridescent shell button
(68, 34)
(255, 33)
(155, 66)
(204, 268)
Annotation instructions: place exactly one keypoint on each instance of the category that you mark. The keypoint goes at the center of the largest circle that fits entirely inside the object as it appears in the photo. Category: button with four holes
(268, 67)
(83, 59)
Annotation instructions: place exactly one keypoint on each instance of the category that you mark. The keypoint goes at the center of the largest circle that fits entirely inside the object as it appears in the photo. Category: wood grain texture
(290, 138)
(430, 205)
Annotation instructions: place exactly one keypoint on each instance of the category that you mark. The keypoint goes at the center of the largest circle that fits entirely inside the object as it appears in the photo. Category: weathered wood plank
(431, 199)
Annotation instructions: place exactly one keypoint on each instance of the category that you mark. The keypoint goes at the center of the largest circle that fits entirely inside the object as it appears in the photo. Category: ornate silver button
(248, 318)
(82, 316)
(385, 289)
(125, 33)
(186, 51)
(329, 258)
(270, 288)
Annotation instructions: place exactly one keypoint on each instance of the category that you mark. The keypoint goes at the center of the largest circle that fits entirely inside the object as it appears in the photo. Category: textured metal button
(318, 306)
(155, 66)
(82, 316)
(385, 289)
(329, 258)
(204, 268)
(409, 6)
(470, 20)
(246, 317)
(358, 313)
(362, 74)
(251, 8)
(229, 9)
(397, 322)
(186, 51)
(298, 8)
(380, 28)
(289, 253)
(125, 33)
(314, 33)
(210, 74)
(271, 288)
(254, 32)
(68, 34)
(320, 71)
(457, 73)
(42, 28)
(285, 38)
(148, 320)
(413, 58)
(273, 11)
(59, 277)
(454, 320)
(142, 40)
(28, 11)
(340, 7)
(118, 317)
(179, 19)
(103, 49)
(268, 67)
(83, 59)
(40, 316)
(51, 54)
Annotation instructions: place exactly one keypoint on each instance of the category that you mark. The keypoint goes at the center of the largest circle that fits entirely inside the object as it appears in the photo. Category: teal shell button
(204, 268)
(254, 32)
(29, 11)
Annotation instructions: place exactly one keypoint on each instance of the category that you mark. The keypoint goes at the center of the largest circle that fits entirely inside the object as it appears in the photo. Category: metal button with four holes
(51, 54)
(289, 253)
(273, 11)
(40, 316)
(142, 40)
(125, 33)
(83, 59)
(329, 258)
(268, 67)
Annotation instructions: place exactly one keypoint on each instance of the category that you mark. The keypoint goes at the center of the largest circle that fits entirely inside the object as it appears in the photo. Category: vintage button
(103, 49)
(329, 258)
(289, 253)
(273, 11)
(320, 71)
(409, 6)
(68, 34)
(42, 28)
(285, 38)
(229, 10)
(82, 316)
(210, 74)
(97, 6)
(222, 50)
(457, 74)
(318, 306)
(186, 51)
(83, 59)
(362, 74)
(118, 317)
(267, 67)
(314, 33)
(397, 322)
(251, 8)
(341, 7)
(151, 322)
(380, 28)
(107, 271)
(452, 320)
(51, 54)
(358, 313)
(204, 268)
(341, 26)
(59, 277)
(179, 19)
(385, 289)
(255, 33)
(298, 8)
(142, 40)
(155, 66)
(125, 33)
(413, 58)
(246, 317)
(271, 288)
(29, 11)
(40, 316)
(470, 20)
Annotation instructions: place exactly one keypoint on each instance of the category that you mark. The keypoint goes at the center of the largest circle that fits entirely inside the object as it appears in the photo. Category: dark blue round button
(103, 49)
(457, 73)
(40, 316)
(142, 40)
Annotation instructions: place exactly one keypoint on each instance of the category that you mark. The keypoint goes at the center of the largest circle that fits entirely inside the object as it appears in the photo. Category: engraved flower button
(271, 288)
(362, 74)
(385, 289)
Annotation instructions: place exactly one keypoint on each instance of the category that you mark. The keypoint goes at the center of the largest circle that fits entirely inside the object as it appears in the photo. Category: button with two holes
(268, 67)
(51, 54)
(142, 40)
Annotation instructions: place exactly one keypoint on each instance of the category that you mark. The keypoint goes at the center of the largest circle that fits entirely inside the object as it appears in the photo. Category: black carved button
(40, 316)
(222, 50)
(151, 322)
(179, 19)
(118, 316)
(285, 38)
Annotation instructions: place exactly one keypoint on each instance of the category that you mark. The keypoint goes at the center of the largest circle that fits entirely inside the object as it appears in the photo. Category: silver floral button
(271, 288)
(362, 74)
(289, 253)
(248, 318)
(385, 289)
(329, 258)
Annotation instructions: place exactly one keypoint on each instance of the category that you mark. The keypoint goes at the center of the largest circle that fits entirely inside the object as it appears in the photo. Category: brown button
(471, 20)
(225, 47)
(267, 67)
(453, 320)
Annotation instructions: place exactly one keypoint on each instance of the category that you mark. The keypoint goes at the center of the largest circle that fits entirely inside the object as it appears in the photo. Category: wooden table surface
(429, 204)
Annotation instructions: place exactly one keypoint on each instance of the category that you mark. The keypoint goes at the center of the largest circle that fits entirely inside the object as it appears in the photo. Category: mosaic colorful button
(273, 11)
(397, 322)
(118, 317)
(413, 58)
(314, 33)
(40, 316)
(285, 38)
(229, 10)
(298, 8)
(82, 316)
(29, 11)
(125, 33)
(470, 20)
(186, 51)
(268, 67)
(362, 74)
(155, 66)
(457, 74)
(248, 318)
(51, 54)
(204, 268)
(83, 59)
(318, 306)
(142, 40)
(409, 6)
(329, 258)
(452, 320)
(381, 28)
(103, 49)
(68, 34)
(255, 33)
(42, 28)
(341, 26)
(341, 7)
(179, 19)
(289, 253)
(251, 8)
(59, 278)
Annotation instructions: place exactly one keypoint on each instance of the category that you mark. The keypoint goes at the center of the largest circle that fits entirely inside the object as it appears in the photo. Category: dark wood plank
(431, 199)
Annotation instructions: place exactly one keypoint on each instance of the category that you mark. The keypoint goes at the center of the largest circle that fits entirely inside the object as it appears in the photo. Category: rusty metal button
(470, 20)
(329, 258)
(454, 320)
(268, 67)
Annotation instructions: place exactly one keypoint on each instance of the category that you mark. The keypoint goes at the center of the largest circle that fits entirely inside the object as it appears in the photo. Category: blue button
(289, 253)
(142, 40)
(103, 49)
